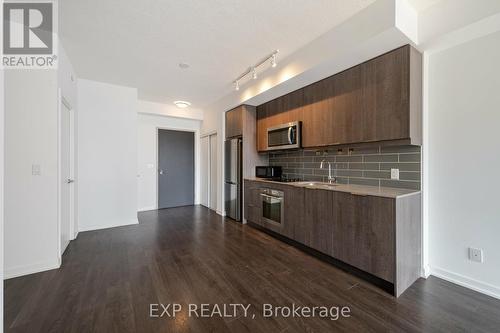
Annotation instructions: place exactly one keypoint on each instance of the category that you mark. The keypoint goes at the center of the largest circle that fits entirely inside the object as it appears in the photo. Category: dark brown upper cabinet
(376, 101)
(234, 122)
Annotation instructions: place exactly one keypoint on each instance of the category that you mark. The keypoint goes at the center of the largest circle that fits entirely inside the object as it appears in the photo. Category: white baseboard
(464, 281)
(220, 213)
(426, 272)
(17, 271)
(145, 209)
(106, 226)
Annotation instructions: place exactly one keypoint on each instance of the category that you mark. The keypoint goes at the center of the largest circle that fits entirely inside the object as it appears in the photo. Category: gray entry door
(175, 168)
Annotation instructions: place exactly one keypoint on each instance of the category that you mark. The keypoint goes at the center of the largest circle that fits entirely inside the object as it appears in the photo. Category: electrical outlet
(395, 174)
(35, 170)
(476, 254)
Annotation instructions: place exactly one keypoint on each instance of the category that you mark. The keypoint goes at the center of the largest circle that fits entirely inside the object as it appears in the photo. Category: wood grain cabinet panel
(319, 220)
(386, 96)
(234, 122)
(262, 125)
(346, 124)
(365, 227)
(253, 205)
(317, 113)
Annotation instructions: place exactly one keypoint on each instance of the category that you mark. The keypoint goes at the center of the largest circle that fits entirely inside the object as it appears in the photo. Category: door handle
(69, 181)
(161, 171)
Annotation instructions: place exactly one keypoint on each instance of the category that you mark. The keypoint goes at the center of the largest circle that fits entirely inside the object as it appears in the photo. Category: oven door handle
(270, 197)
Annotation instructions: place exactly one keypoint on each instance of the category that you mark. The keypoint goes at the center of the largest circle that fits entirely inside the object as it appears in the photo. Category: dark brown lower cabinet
(251, 197)
(379, 235)
(363, 233)
(319, 220)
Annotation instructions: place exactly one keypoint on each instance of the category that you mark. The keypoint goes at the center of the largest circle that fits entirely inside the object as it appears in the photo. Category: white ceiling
(421, 5)
(140, 43)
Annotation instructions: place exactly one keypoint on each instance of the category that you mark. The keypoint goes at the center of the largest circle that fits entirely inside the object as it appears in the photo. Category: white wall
(31, 242)
(147, 125)
(464, 161)
(161, 109)
(2, 131)
(107, 155)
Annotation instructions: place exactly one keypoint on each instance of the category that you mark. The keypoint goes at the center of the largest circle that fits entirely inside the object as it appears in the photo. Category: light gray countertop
(386, 192)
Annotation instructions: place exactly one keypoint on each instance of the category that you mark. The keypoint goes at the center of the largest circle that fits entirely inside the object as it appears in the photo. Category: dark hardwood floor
(185, 255)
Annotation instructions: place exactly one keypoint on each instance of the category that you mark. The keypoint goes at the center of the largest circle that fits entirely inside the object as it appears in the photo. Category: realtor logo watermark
(29, 35)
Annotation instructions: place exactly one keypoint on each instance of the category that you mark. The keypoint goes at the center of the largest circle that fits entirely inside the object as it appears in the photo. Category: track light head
(273, 60)
(254, 73)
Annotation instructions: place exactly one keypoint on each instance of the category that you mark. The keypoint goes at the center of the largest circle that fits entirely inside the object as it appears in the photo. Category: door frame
(63, 102)
(210, 181)
(196, 134)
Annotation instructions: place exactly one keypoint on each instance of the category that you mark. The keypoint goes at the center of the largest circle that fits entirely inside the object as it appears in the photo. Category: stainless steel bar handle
(270, 196)
(290, 135)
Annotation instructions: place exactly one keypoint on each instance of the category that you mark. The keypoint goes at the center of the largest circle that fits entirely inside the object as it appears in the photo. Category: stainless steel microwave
(286, 136)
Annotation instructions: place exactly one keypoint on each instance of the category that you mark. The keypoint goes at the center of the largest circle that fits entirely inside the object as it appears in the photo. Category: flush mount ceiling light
(182, 104)
(253, 69)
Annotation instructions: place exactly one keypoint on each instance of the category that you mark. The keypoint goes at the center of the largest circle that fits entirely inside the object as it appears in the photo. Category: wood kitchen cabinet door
(386, 110)
(332, 112)
(318, 229)
(262, 127)
(294, 209)
(364, 236)
(234, 122)
(317, 114)
(253, 205)
(347, 121)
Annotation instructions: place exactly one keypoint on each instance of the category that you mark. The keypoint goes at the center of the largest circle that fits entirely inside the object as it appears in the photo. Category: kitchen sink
(317, 184)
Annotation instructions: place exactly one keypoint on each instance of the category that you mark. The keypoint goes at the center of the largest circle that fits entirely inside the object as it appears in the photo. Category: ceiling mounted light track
(253, 69)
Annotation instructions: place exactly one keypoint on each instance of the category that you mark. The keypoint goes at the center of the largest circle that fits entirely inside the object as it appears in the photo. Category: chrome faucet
(331, 179)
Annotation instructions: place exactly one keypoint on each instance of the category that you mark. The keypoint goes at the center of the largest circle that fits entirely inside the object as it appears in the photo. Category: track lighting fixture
(253, 70)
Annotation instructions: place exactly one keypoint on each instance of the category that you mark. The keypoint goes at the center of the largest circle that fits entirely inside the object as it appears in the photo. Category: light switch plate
(476, 254)
(395, 174)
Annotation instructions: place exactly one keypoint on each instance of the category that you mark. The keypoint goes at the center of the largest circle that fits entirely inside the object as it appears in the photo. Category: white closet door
(213, 172)
(205, 170)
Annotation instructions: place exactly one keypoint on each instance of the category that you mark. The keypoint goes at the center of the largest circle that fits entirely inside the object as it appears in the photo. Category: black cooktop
(287, 180)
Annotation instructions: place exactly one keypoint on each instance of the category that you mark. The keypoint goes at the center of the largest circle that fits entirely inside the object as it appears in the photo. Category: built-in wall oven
(285, 136)
(273, 204)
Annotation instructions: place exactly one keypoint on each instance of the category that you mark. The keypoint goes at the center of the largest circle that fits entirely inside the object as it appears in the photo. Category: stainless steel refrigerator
(232, 178)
